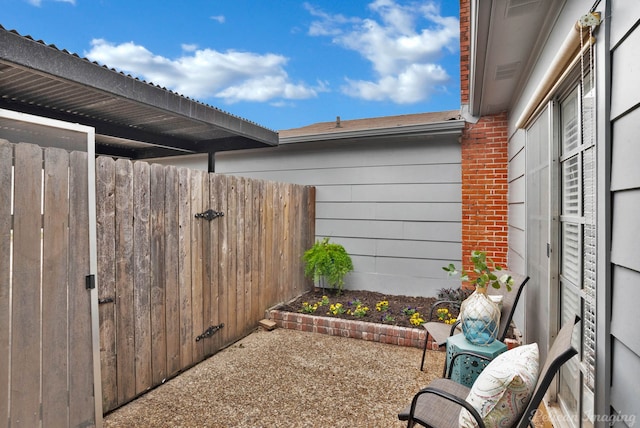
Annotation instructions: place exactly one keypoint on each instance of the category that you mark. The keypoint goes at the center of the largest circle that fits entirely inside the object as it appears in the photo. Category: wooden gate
(46, 358)
(167, 275)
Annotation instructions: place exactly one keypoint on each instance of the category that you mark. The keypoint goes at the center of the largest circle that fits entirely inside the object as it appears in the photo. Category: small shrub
(454, 294)
(327, 262)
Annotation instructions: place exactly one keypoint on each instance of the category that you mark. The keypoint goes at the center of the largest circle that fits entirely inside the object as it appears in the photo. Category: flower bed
(358, 314)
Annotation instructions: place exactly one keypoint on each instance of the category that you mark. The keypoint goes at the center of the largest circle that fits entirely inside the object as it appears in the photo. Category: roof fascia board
(50, 61)
(450, 127)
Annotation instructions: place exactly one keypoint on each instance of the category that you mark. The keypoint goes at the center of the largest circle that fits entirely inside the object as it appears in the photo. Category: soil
(394, 315)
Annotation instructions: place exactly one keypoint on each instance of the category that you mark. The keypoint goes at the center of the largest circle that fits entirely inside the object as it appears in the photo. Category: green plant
(382, 306)
(454, 294)
(355, 302)
(308, 309)
(483, 268)
(360, 311)
(388, 319)
(416, 319)
(336, 309)
(408, 311)
(445, 316)
(328, 262)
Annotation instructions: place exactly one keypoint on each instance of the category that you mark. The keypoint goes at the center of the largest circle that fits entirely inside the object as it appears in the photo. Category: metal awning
(132, 118)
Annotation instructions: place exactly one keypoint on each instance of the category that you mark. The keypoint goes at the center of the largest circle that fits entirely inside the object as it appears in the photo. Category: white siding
(394, 205)
(625, 186)
(517, 217)
(517, 214)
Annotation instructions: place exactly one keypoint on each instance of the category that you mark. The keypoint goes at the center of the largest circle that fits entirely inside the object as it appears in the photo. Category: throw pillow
(504, 388)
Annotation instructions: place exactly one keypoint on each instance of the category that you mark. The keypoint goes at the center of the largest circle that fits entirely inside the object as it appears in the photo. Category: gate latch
(210, 214)
(209, 332)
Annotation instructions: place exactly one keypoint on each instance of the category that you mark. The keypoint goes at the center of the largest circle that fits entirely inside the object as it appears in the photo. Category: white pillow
(504, 388)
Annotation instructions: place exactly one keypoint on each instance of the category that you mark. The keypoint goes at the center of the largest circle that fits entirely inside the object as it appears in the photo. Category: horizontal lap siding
(396, 207)
(517, 216)
(625, 389)
(517, 213)
(625, 187)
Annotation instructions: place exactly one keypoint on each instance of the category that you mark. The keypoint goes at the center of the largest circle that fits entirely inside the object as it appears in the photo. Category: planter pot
(480, 318)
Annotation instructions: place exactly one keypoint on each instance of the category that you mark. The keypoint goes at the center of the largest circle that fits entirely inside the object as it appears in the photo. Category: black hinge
(105, 300)
(90, 282)
(209, 214)
(548, 250)
(209, 332)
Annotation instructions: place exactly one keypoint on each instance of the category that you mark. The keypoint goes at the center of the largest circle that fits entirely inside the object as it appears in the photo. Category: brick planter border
(403, 336)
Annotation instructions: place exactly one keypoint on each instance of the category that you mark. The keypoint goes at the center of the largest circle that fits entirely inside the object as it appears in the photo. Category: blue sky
(281, 63)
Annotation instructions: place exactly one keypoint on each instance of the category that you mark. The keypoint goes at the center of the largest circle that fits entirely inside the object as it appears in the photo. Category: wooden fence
(46, 356)
(165, 276)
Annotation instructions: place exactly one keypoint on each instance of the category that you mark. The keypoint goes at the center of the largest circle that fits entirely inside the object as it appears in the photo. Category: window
(577, 257)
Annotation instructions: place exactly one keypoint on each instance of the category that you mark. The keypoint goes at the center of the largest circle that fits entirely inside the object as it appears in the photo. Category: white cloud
(266, 88)
(414, 84)
(218, 18)
(403, 57)
(328, 25)
(202, 73)
(189, 47)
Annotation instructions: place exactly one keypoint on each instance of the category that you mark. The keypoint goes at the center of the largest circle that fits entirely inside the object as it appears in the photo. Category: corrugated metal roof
(132, 117)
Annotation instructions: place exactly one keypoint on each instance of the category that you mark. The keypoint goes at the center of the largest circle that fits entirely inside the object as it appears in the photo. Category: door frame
(89, 148)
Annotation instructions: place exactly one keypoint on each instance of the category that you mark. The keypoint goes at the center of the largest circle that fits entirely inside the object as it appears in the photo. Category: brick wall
(383, 333)
(465, 15)
(484, 188)
(484, 170)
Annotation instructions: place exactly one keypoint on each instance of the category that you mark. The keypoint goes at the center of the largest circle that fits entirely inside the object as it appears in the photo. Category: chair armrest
(461, 354)
(453, 327)
(447, 396)
(435, 305)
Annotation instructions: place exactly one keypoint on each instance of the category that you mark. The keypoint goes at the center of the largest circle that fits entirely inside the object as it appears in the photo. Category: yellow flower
(416, 319)
(336, 309)
(382, 305)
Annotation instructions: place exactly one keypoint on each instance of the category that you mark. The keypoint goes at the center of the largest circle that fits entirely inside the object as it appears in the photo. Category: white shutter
(589, 264)
(578, 237)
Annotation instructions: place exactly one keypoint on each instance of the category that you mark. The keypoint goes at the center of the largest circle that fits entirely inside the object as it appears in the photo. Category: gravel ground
(288, 378)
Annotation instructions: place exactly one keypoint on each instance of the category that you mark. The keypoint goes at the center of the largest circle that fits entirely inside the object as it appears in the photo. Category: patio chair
(439, 404)
(440, 331)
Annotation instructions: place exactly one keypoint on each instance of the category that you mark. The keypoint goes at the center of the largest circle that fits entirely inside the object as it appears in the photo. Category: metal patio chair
(439, 404)
(440, 331)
